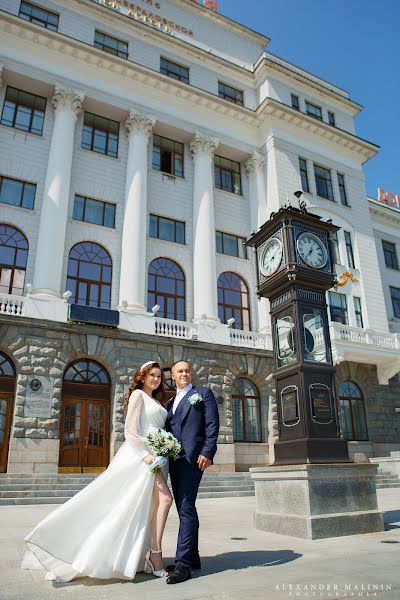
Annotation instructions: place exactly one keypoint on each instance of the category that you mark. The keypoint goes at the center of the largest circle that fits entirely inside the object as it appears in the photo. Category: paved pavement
(239, 563)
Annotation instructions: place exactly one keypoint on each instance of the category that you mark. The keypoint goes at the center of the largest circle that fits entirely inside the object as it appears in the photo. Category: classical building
(140, 144)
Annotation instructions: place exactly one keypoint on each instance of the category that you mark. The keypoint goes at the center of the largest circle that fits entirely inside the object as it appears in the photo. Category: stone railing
(176, 329)
(250, 339)
(368, 337)
(12, 305)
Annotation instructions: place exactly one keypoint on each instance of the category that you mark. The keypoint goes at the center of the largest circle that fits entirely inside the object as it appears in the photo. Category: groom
(193, 419)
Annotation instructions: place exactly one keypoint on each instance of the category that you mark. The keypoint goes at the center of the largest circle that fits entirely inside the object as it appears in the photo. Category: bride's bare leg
(162, 502)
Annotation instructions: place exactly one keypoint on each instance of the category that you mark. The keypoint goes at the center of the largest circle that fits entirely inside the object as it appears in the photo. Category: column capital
(202, 144)
(67, 99)
(255, 163)
(139, 123)
(1, 74)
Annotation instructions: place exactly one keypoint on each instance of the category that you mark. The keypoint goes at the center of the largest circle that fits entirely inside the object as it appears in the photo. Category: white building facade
(140, 144)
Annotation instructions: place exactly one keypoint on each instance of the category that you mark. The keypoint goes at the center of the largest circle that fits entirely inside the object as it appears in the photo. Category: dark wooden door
(85, 428)
(7, 385)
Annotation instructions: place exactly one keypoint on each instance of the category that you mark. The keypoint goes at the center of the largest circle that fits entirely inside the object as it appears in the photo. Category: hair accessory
(146, 364)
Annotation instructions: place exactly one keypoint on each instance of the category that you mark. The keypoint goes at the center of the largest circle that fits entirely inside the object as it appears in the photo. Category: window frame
(342, 189)
(395, 300)
(242, 398)
(239, 95)
(174, 153)
(23, 247)
(99, 128)
(109, 49)
(18, 105)
(315, 114)
(89, 282)
(341, 311)
(24, 184)
(225, 308)
(335, 247)
(105, 205)
(42, 23)
(392, 253)
(219, 170)
(238, 241)
(331, 118)
(358, 311)
(305, 184)
(183, 76)
(159, 293)
(327, 179)
(295, 100)
(351, 402)
(174, 221)
(349, 249)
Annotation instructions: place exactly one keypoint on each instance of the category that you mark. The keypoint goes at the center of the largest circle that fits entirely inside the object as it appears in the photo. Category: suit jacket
(196, 426)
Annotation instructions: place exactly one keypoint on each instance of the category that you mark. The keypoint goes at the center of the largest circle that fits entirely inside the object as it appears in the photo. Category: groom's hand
(203, 462)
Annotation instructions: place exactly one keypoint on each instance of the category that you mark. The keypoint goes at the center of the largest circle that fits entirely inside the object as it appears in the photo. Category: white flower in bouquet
(164, 445)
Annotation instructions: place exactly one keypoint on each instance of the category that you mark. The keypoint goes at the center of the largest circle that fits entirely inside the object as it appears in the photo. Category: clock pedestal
(312, 490)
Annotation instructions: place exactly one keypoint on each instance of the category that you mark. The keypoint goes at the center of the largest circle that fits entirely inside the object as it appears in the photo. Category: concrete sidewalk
(238, 561)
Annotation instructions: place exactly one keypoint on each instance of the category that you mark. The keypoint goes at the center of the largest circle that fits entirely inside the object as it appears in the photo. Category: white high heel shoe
(149, 568)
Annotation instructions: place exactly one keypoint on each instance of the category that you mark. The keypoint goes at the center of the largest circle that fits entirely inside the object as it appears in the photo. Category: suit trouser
(185, 480)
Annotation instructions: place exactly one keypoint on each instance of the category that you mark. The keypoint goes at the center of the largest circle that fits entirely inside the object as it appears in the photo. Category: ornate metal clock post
(294, 272)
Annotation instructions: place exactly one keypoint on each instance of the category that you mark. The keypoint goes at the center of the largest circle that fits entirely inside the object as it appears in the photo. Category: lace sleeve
(132, 424)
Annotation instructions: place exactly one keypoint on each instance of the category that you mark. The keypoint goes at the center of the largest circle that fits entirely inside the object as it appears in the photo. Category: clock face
(270, 257)
(312, 250)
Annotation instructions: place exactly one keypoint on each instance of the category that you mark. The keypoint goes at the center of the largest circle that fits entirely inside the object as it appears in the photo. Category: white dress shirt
(179, 395)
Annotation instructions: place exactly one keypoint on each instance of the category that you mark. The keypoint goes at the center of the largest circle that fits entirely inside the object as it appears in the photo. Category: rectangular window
(358, 311)
(227, 175)
(230, 93)
(110, 44)
(295, 102)
(304, 175)
(338, 308)
(167, 67)
(342, 189)
(331, 118)
(17, 193)
(314, 111)
(94, 211)
(100, 135)
(38, 16)
(389, 251)
(167, 229)
(167, 156)
(349, 249)
(232, 245)
(395, 296)
(23, 111)
(323, 181)
(335, 248)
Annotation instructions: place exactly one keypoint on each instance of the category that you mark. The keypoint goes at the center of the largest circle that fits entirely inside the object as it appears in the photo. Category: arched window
(6, 366)
(166, 287)
(246, 411)
(89, 275)
(352, 412)
(233, 300)
(86, 371)
(13, 257)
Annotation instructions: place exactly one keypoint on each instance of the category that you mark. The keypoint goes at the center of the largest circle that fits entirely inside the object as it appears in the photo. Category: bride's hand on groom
(203, 462)
(149, 459)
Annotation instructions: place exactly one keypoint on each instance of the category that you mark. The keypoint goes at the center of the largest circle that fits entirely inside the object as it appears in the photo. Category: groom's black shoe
(179, 575)
(195, 565)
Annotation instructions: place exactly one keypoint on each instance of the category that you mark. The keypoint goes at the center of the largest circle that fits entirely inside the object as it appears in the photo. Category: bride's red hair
(137, 384)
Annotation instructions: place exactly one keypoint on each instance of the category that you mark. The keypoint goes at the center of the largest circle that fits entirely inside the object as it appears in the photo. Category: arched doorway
(246, 411)
(352, 412)
(7, 388)
(85, 418)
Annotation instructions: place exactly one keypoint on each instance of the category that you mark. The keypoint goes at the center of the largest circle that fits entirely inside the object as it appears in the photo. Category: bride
(105, 530)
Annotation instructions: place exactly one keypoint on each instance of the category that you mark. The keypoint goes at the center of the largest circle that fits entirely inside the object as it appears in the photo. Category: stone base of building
(317, 501)
(33, 456)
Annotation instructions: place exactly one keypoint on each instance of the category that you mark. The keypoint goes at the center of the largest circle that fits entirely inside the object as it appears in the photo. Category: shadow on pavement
(391, 519)
(243, 560)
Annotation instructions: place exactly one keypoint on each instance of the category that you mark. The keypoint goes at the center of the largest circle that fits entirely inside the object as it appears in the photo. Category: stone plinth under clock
(317, 501)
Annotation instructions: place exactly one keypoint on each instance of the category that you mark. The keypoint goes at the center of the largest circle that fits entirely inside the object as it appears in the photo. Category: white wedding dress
(103, 531)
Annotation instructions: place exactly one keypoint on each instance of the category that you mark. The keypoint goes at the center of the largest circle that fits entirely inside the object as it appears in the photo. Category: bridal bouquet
(164, 445)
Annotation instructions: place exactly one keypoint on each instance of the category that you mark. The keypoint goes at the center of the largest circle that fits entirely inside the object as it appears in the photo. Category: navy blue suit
(196, 427)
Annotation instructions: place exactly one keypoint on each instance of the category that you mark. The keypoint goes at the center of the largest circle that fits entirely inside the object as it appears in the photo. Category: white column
(132, 291)
(255, 169)
(53, 217)
(204, 251)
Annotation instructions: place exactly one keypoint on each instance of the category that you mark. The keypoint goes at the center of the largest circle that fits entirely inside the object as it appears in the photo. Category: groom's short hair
(179, 361)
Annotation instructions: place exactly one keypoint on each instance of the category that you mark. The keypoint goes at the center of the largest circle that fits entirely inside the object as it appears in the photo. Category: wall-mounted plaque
(290, 406)
(39, 396)
(321, 403)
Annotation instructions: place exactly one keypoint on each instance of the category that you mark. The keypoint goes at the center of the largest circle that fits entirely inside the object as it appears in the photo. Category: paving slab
(239, 562)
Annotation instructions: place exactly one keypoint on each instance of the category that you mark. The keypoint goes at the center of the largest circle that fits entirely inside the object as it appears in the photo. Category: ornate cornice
(139, 123)
(64, 99)
(254, 163)
(202, 144)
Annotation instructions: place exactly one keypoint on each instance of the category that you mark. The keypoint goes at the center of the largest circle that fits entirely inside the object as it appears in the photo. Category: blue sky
(354, 44)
